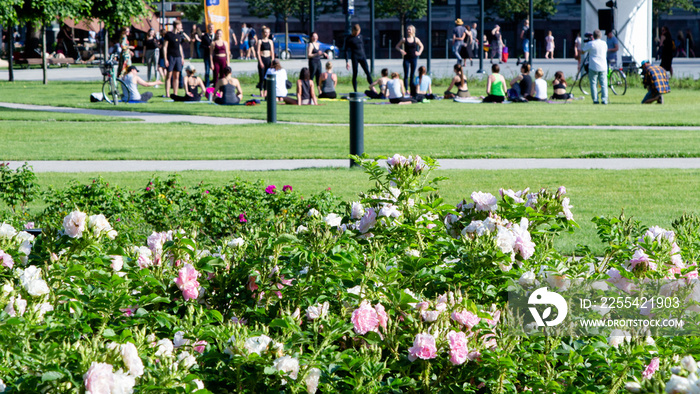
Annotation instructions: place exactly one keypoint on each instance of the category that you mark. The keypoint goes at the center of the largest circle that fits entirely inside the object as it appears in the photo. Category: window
(389, 38)
(439, 2)
(439, 38)
(294, 39)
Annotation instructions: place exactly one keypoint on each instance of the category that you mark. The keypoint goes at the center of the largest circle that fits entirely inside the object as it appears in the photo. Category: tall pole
(10, 59)
(532, 33)
(430, 34)
(43, 50)
(458, 9)
(312, 16)
(371, 36)
(162, 13)
(480, 36)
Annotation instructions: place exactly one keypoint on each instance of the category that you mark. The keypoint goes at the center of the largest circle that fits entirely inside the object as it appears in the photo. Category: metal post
(480, 36)
(11, 60)
(687, 47)
(357, 125)
(447, 48)
(271, 98)
(390, 49)
(565, 48)
(532, 33)
(43, 50)
(458, 9)
(371, 36)
(312, 16)
(430, 35)
(162, 12)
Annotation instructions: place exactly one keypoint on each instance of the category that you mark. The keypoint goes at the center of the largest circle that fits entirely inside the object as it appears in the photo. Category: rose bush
(167, 289)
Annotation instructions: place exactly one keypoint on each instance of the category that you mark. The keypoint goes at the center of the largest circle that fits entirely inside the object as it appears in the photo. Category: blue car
(297, 46)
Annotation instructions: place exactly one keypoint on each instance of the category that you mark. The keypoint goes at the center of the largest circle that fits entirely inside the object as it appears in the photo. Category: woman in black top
(667, 50)
(265, 57)
(230, 89)
(412, 48)
(194, 87)
(150, 51)
(314, 54)
(306, 91)
(355, 46)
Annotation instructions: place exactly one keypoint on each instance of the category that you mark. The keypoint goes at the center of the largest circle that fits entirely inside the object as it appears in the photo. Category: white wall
(633, 20)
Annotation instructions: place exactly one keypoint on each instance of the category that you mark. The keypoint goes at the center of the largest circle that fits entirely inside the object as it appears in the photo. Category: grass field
(655, 197)
(7, 114)
(679, 110)
(48, 140)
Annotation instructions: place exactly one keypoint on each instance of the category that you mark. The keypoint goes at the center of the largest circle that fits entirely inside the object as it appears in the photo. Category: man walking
(476, 42)
(597, 66)
(458, 35)
(173, 57)
(525, 40)
(656, 82)
(207, 39)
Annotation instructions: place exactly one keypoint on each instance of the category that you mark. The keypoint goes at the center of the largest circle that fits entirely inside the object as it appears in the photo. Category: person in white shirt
(396, 91)
(132, 80)
(597, 66)
(280, 82)
(540, 86)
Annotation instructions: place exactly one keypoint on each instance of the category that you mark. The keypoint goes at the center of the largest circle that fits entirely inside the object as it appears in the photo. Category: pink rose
(365, 319)
(458, 347)
(423, 348)
(651, 368)
(199, 346)
(466, 318)
(642, 259)
(368, 220)
(484, 201)
(271, 189)
(381, 315)
(6, 259)
(99, 379)
(252, 286)
(187, 282)
(241, 218)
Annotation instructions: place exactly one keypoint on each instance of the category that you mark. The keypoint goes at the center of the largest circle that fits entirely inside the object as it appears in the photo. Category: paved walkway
(150, 117)
(268, 165)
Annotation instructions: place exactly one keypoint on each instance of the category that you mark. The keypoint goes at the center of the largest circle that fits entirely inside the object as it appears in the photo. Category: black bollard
(271, 99)
(357, 125)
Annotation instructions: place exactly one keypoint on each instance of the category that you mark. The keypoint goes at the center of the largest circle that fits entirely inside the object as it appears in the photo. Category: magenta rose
(287, 188)
(241, 218)
(271, 189)
(187, 282)
(423, 348)
(365, 319)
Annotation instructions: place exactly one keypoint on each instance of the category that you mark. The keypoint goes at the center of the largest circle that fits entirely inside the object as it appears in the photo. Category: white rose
(289, 365)
(2, 386)
(199, 384)
(123, 383)
(32, 282)
(16, 306)
(257, 344)
(390, 211)
(42, 308)
(131, 358)
(74, 224)
(527, 279)
(689, 364)
(165, 348)
(633, 387)
(357, 210)
(99, 224)
(302, 229)
(179, 339)
(7, 231)
(236, 243)
(505, 240)
(312, 380)
(333, 220)
(7, 288)
(186, 360)
(313, 212)
(117, 262)
(430, 316)
(617, 337)
(678, 385)
(317, 311)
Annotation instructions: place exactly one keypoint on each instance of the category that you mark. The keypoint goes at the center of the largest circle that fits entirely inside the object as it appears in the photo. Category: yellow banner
(216, 13)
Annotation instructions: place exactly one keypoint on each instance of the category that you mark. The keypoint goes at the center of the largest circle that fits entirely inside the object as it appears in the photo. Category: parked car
(297, 46)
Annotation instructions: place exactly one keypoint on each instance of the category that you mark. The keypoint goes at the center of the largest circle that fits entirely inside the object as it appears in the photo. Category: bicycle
(113, 88)
(617, 81)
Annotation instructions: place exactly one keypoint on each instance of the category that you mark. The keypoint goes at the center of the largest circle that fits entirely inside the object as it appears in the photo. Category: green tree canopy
(662, 7)
(516, 10)
(114, 13)
(405, 10)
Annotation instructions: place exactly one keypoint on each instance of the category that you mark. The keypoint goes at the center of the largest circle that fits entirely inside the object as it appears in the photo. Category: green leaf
(51, 375)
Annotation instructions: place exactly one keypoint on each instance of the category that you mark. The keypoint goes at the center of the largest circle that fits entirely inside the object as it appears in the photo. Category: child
(550, 46)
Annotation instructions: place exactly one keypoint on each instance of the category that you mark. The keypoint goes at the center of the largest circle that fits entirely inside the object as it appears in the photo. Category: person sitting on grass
(424, 85)
(194, 86)
(132, 80)
(231, 92)
(306, 91)
(559, 87)
(396, 91)
(328, 83)
(280, 82)
(460, 82)
(521, 85)
(495, 86)
(540, 87)
(372, 92)
(656, 82)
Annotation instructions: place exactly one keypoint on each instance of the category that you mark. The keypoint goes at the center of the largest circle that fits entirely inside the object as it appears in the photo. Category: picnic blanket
(473, 100)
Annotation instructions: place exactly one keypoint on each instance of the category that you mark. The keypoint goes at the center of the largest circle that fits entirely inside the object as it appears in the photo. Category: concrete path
(440, 68)
(150, 117)
(268, 165)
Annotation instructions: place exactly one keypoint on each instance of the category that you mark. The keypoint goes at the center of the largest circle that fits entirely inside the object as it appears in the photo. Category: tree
(404, 9)
(665, 7)
(9, 19)
(194, 13)
(516, 10)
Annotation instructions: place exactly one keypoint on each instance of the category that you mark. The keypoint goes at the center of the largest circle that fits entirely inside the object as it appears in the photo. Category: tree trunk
(403, 25)
(43, 51)
(10, 59)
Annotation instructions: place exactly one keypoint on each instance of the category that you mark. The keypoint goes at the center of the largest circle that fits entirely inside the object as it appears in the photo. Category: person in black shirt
(355, 46)
(150, 51)
(207, 39)
(410, 47)
(174, 56)
(523, 83)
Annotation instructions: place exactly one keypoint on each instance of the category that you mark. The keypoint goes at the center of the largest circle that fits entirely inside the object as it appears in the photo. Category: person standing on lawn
(597, 66)
(656, 82)
(458, 35)
(355, 46)
(173, 56)
(207, 40)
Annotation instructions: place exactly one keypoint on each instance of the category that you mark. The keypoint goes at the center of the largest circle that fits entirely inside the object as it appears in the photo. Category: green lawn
(34, 140)
(680, 108)
(20, 114)
(655, 197)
